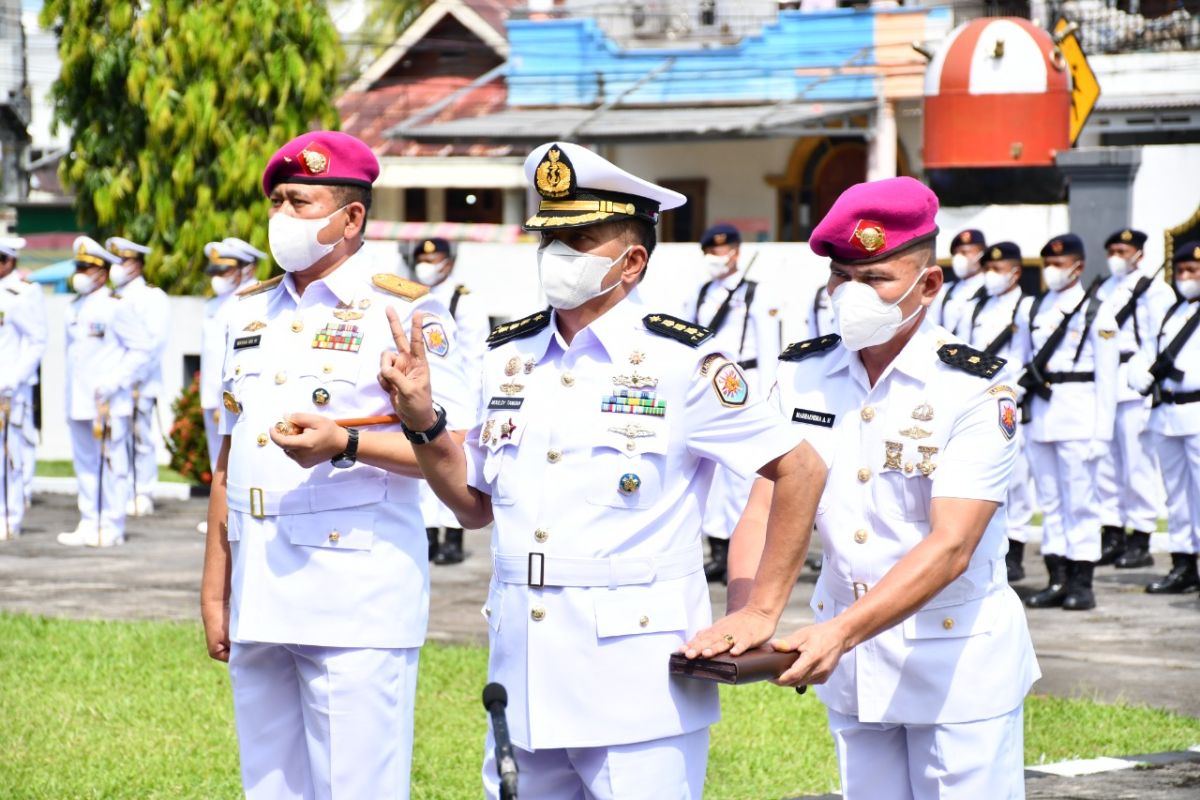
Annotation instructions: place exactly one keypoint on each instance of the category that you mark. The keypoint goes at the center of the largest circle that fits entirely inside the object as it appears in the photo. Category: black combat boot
(1013, 559)
(1112, 545)
(1056, 590)
(716, 566)
(432, 535)
(1137, 552)
(1182, 578)
(451, 551)
(1080, 596)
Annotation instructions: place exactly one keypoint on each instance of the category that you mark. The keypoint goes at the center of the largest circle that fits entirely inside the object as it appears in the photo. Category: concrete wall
(1165, 192)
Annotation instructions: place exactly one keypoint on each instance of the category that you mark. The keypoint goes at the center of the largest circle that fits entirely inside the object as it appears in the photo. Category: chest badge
(512, 367)
(635, 381)
(926, 467)
(916, 432)
(230, 402)
(334, 336)
(637, 357)
(512, 388)
(507, 429)
(923, 412)
(346, 313)
(256, 325)
(894, 451)
(529, 365)
(485, 436)
(320, 396)
(626, 402)
(629, 484)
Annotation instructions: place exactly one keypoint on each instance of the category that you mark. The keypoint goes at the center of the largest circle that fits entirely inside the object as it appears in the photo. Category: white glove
(1097, 448)
(104, 393)
(1140, 378)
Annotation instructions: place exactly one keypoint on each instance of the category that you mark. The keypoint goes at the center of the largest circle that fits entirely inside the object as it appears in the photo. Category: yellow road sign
(1085, 89)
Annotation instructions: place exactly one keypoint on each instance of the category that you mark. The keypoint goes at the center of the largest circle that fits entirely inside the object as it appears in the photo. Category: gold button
(334, 536)
(644, 621)
(280, 377)
(328, 368)
(567, 379)
(630, 446)
(820, 606)
(868, 414)
(538, 613)
(864, 475)
(297, 326)
(947, 623)
(553, 456)
(263, 439)
(541, 535)
(908, 468)
(487, 611)
(237, 370)
(860, 536)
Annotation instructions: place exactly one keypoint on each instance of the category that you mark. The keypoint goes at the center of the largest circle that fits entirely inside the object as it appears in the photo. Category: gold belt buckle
(256, 503)
(859, 589)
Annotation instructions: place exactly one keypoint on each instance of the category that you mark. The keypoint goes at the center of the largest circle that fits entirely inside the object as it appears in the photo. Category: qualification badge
(436, 341)
(731, 386)
(1008, 416)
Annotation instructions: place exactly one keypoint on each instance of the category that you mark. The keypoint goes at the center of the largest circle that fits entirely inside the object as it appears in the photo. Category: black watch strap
(349, 456)
(427, 436)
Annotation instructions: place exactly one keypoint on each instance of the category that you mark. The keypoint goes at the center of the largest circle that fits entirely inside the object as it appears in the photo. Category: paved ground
(1134, 647)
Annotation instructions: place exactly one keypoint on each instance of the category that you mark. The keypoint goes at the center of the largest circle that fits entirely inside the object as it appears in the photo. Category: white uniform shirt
(821, 321)
(1177, 419)
(212, 346)
(471, 321)
(1074, 411)
(925, 430)
(22, 334)
(998, 313)
(612, 502)
(325, 556)
(761, 340)
(1151, 307)
(153, 309)
(955, 301)
(106, 347)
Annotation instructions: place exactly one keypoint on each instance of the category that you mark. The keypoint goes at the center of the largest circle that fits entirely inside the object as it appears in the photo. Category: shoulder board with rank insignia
(687, 332)
(968, 359)
(798, 351)
(394, 284)
(461, 290)
(518, 329)
(261, 286)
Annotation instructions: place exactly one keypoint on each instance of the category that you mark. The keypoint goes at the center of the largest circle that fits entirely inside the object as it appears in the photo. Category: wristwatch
(349, 456)
(427, 436)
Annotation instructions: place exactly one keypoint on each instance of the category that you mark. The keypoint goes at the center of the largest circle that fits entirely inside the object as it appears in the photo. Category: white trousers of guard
(145, 449)
(1179, 457)
(958, 761)
(12, 479)
(212, 434)
(654, 770)
(318, 723)
(1127, 478)
(29, 440)
(1066, 491)
(1020, 498)
(113, 484)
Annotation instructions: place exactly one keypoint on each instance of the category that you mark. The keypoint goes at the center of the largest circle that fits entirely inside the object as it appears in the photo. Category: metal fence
(1105, 26)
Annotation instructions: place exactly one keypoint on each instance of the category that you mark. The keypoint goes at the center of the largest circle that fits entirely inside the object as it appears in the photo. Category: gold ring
(729, 640)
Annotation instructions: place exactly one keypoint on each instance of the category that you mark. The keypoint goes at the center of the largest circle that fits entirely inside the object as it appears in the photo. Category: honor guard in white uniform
(993, 324)
(432, 263)
(920, 648)
(956, 299)
(820, 315)
(153, 309)
(1070, 388)
(742, 325)
(1167, 367)
(23, 341)
(1128, 476)
(107, 347)
(602, 421)
(316, 584)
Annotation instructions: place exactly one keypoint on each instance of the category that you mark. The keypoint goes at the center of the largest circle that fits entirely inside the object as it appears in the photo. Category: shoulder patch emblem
(798, 351)
(261, 286)
(970, 360)
(436, 340)
(394, 284)
(1008, 416)
(731, 386)
(518, 329)
(673, 328)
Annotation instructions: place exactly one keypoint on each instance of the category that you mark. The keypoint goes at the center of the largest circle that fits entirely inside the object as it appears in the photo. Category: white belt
(261, 502)
(538, 569)
(976, 582)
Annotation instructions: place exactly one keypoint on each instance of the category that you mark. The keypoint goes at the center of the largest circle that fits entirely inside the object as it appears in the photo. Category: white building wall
(1165, 193)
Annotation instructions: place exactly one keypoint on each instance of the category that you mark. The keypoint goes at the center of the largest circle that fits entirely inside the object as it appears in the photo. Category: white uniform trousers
(1020, 498)
(1127, 478)
(12, 480)
(981, 760)
(29, 442)
(317, 723)
(112, 484)
(145, 449)
(212, 434)
(657, 769)
(1066, 491)
(1179, 457)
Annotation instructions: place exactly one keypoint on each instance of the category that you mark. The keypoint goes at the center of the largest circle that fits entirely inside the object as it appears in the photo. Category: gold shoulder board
(259, 287)
(394, 284)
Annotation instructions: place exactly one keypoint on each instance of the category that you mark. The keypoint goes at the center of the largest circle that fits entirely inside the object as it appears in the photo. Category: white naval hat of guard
(124, 248)
(579, 187)
(249, 251)
(91, 253)
(223, 255)
(11, 246)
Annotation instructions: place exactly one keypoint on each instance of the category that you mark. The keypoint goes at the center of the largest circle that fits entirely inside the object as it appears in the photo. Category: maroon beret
(327, 158)
(872, 221)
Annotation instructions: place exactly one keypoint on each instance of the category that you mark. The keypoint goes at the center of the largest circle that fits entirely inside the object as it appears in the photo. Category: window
(474, 205)
(685, 224)
(416, 205)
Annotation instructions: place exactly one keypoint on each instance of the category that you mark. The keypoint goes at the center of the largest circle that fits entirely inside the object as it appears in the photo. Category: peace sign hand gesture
(404, 374)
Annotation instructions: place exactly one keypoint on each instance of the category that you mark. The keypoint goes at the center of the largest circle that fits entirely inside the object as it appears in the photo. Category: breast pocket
(499, 436)
(330, 530)
(630, 463)
(330, 380)
(902, 496)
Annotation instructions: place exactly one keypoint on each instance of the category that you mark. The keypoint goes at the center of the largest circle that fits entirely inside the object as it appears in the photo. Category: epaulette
(798, 351)
(394, 284)
(460, 290)
(518, 329)
(261, 286)
(968, 359)
(687, 332)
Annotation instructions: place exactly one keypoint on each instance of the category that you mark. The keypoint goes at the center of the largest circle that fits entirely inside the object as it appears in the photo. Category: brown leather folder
(757, 664)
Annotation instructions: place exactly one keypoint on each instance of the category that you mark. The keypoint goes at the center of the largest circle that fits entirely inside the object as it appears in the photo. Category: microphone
(495, 699)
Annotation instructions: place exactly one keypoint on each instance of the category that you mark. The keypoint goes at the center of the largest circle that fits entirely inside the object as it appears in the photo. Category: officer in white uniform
(316, 585)
(992, 323)
(603, 420)
(432, 263)
(107, 346)
(1128, 475)
(1071, 396)
(742, 325)
(956, 299)
(1168, 367)
(920, 649)
(153, 309)
(23, 341)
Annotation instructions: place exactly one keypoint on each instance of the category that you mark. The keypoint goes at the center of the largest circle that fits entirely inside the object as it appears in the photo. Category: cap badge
(1196, 253)
(428, 247)
(996, 254)
(1056, 246)
(965, 237)
(554, 175)
(1126, 236)
(869, 236)
(720, 238)
(314, 162)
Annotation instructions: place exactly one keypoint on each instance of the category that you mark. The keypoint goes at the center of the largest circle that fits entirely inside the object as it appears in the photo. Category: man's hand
(315, 440)
(1140, 379)
(818, 649)
(404, 374)
(1097, 448)
(216, 630)
(735, 634)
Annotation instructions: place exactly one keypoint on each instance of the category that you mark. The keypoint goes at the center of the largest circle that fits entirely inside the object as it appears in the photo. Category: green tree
(174, 109)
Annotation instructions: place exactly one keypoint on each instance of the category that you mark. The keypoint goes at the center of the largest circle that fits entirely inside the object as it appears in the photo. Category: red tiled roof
(494, 12)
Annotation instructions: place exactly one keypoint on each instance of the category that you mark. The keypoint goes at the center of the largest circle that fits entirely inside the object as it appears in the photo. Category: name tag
(242, 342)
(505, 403)
(813, 417)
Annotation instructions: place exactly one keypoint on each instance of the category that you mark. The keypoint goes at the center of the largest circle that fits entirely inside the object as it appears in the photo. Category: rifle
(1164, 367)
(1127, 310)
(1033, 380)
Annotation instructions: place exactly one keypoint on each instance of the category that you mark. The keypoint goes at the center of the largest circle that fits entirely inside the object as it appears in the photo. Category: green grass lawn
(138, 711)
(66, 469)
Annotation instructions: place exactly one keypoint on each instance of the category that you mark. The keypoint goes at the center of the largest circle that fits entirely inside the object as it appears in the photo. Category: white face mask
(120, 274)
(571, 278)
(963, 267)
(1119, 266)
(863, 319)
(1058, 278)
(294, 242)
(717, 265)
(224, 284)
(83, 283)
(429, 273)
(997, 283)
(1190, 289)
